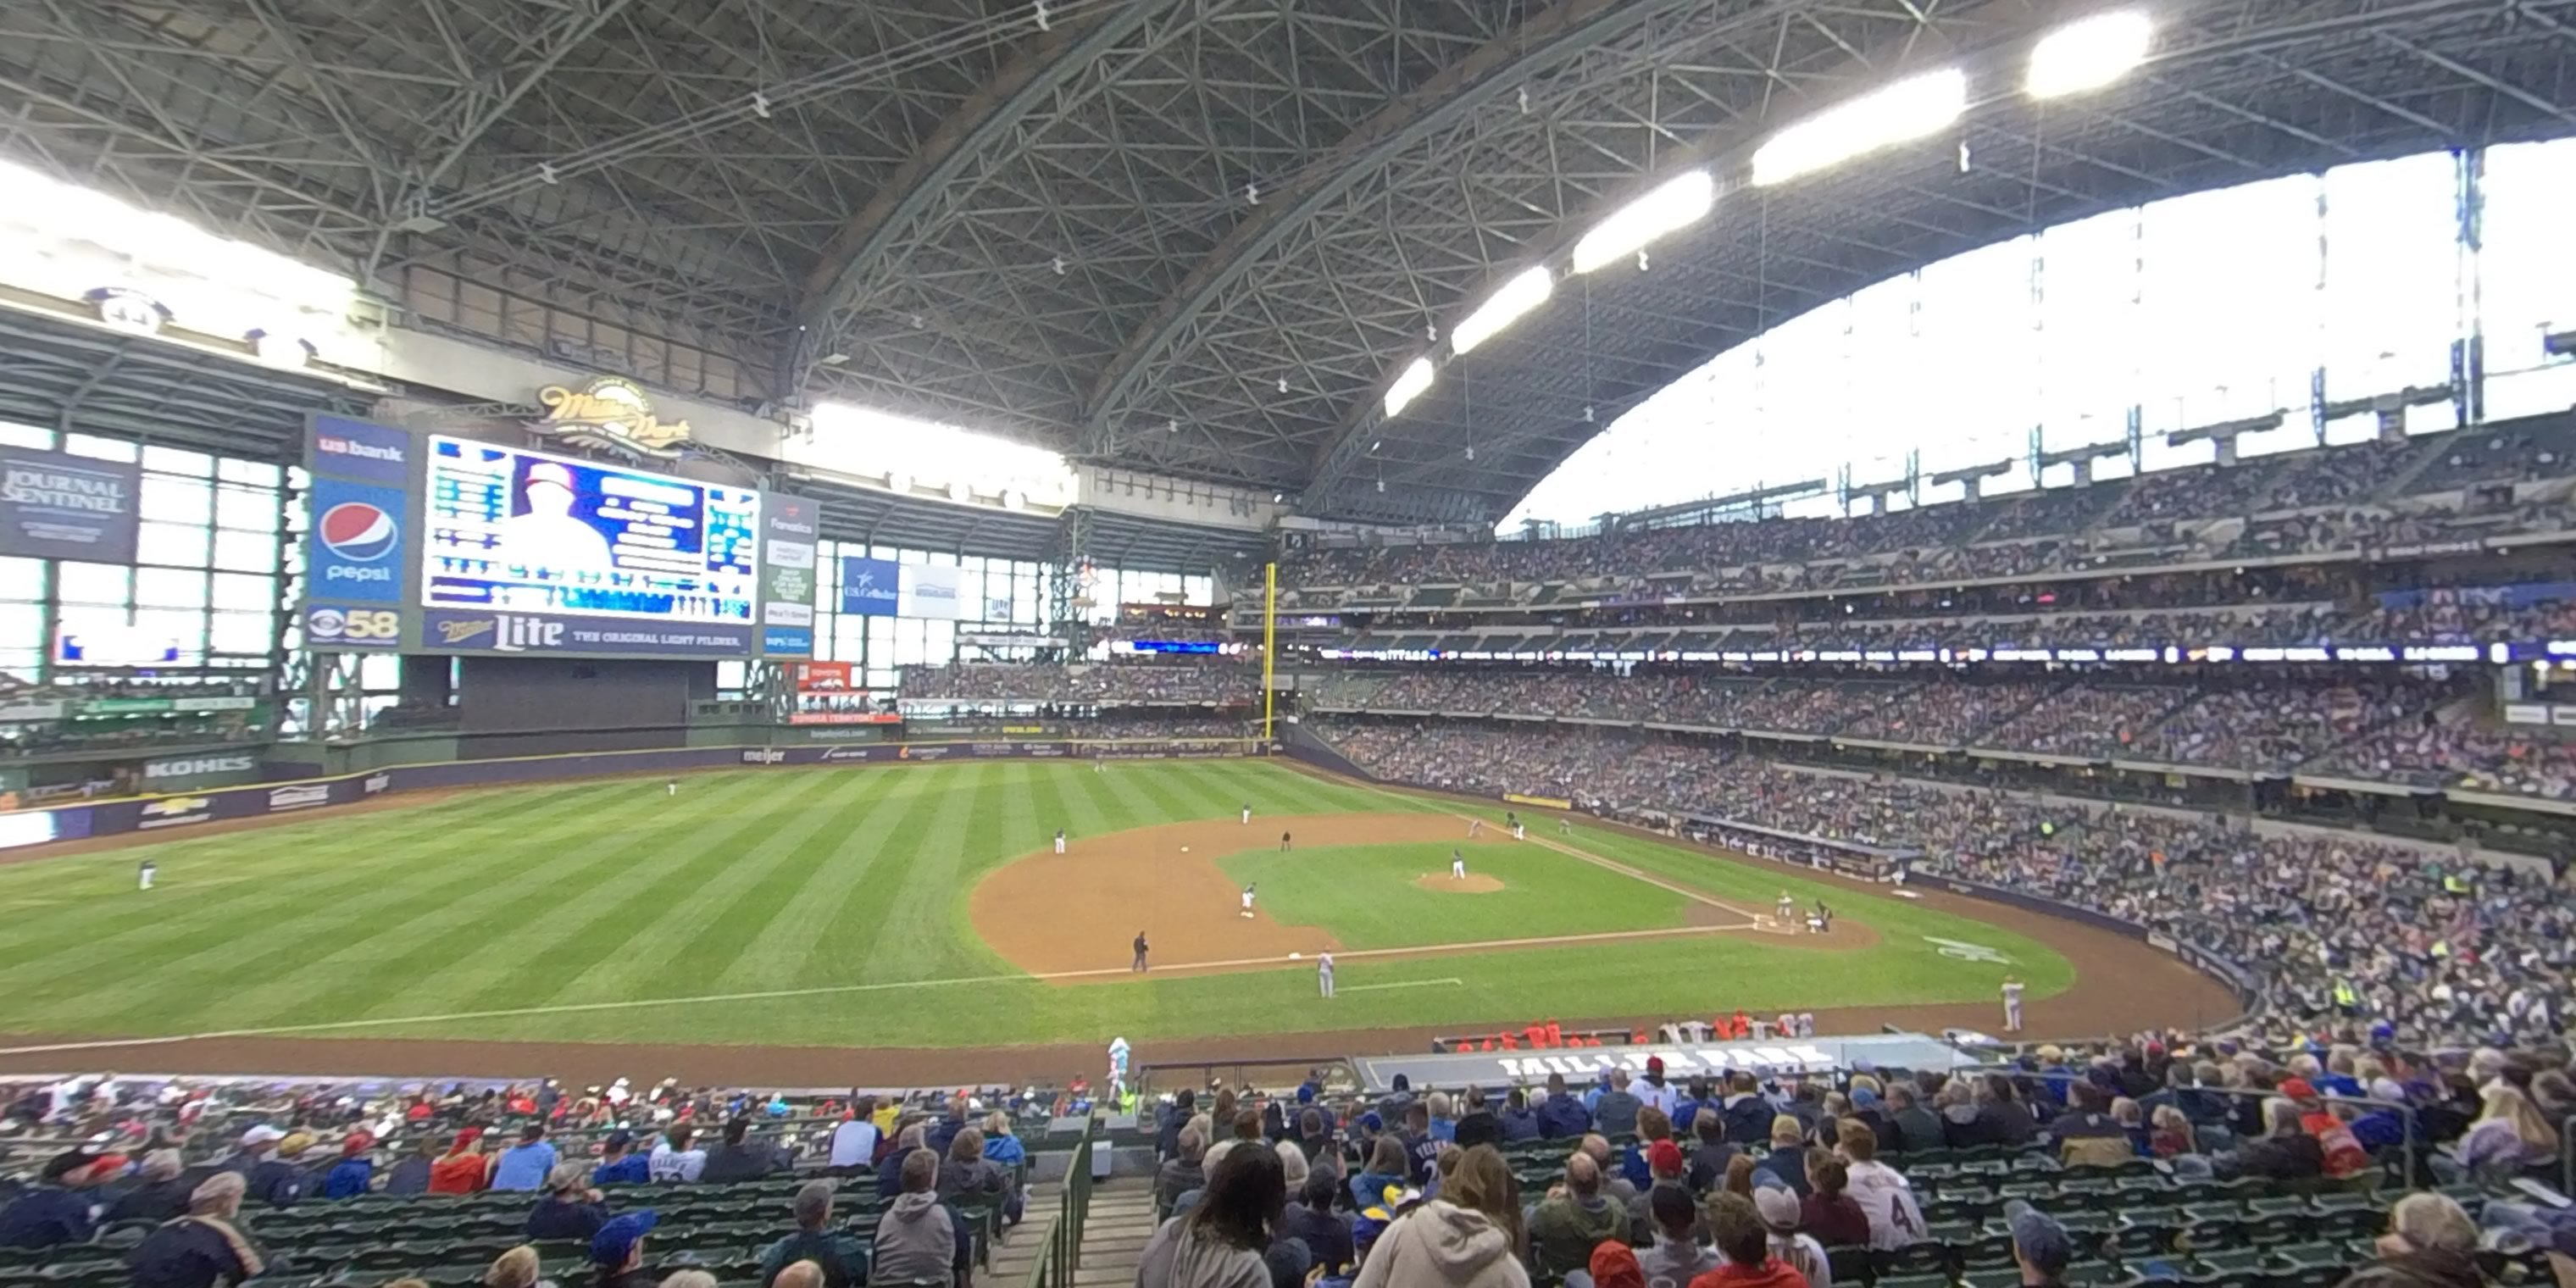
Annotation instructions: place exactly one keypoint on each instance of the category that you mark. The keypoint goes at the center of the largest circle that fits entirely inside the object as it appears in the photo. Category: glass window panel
(22, 579)
(89, 583)
(22, 626)
(188, 626)
(380, 672)
(2391, 293)
(244, 633)
(245, 591)
(176, 500)
(171, 543)
(2228, 309)
(939, 642)
(245, 551)
(246, 509)
(729, 677)
(101, 449)
(254, 473)
(79, 619)
(22, 664)
(173, 460)
(2525, 262)
(169, 588)
(16, 435)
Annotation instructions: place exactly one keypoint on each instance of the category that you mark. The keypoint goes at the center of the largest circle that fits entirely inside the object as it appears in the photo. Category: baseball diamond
(918, 907)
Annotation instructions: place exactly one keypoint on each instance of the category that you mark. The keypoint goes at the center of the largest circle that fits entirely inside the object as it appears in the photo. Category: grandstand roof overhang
(947, 208)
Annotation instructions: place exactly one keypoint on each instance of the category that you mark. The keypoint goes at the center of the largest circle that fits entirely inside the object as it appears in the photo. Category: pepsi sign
(358, 450)
(356, 541)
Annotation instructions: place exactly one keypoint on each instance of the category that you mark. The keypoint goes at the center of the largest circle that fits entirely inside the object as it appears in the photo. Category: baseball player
(1475, 826)
(1139, 963)
(1324, 973)
(1788, 910)
(1283, 842)
(1247, 813)
(671, 788)
(1806, 1024)
(143, 875)
(2012, 1004)
(1520, 830)
(1457, 866)
(1564, 826)
(1059, 840)
(1247, 897)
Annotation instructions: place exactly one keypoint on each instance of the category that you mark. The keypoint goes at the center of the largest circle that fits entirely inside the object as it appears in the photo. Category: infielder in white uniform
(671, 788)
(1247, 897)
(1059, 840)
(2012, 1005)
(1457, 866)
(143, 875)
(1324, 973)
(1247, 814)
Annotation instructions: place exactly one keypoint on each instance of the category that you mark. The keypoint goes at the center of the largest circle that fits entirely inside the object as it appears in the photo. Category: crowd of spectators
(2268, 727)
(2434, 944)
(2306, 502)
(1056, 683)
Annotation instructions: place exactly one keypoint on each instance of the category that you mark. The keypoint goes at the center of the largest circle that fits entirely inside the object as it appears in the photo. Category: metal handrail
(2567, 1155)
(1062, 1255)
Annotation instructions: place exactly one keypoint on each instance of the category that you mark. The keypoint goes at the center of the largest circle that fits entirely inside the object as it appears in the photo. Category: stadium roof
(1197, 236)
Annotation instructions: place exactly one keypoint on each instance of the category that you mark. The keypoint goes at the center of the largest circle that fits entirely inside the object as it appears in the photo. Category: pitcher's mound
(1472, 883)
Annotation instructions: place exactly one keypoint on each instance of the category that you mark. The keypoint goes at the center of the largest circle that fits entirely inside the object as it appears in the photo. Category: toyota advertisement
(433, 543)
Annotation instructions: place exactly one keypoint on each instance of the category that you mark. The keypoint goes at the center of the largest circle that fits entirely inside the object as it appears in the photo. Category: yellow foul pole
(1269, 642)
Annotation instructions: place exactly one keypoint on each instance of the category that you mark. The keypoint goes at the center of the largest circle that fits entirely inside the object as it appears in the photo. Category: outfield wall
(177, 813)
(2240, 982)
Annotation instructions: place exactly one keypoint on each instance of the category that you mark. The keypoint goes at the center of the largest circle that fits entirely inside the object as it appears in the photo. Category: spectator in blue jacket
(56, 1210)
(1001, 1148)
(1561, 1115)
(619, 1164)
(1520, 1122)
(1748, 1115)
(355, 1173)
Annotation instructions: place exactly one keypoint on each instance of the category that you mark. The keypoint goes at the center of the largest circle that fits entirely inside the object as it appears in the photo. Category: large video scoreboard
(442, 544)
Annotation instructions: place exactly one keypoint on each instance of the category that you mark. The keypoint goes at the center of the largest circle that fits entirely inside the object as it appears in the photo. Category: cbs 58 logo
(354, 626)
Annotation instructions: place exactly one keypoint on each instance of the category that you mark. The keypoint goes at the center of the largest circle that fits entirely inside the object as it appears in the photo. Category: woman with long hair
(1220, 1243)
(1463, 1239)
(2509, 1135)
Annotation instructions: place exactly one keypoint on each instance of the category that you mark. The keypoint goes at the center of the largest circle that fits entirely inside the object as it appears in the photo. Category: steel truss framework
(1196, 236)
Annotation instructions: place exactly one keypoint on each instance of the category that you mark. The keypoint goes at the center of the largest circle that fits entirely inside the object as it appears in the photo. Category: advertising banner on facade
(929, 591)
(870, 587)
(54, 505)
(789, 526)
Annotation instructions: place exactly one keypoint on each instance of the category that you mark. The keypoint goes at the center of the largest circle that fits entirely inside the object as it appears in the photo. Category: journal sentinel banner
(57, 506)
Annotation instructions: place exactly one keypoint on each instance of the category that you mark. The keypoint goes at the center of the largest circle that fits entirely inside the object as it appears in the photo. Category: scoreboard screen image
(508, 528)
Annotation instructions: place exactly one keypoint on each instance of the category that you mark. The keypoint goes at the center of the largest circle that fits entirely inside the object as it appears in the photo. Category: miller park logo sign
(610, 413)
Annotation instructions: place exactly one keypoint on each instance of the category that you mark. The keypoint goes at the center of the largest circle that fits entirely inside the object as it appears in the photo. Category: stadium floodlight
(1673, 203)
(2089, 53)
(1409, 386)
(1527, 290)
(1907, 110)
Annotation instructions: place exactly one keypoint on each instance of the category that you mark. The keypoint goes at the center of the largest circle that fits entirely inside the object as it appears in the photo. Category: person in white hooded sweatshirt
(1463, 1239)
(1219, 1243)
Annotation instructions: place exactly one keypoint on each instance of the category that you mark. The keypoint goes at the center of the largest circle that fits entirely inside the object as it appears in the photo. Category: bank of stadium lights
(1525, 291)
(1676, 202)
(1910, 109)
(1412, 384)
(2089, 53)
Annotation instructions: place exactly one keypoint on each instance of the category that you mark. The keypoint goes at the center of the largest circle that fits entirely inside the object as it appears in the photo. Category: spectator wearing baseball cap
(526, 1165)
(278, 1179)
(160, 1194)
(1744, 1240)
(1782, 1214)
(570, 1209)
(1666, 1169)
(1678, 1253)
(2040, 1245)
(617, 1252)
(203, 1248)
(619, 1164)
(464, 1168)
(2431, 1243)
(355, 1172)
(1786, 1164)
(1614, 1265)
(57, 1210)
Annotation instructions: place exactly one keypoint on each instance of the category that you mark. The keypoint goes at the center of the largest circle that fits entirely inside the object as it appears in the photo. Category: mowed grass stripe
(801, 942)
(907, 938)
(210, 942)
(664, 899)
(431, 926)
(735, 911)
(91, 884)
(518, 950)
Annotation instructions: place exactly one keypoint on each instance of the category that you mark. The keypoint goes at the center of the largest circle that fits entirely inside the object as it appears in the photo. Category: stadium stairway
(1013, 1257)
(1114, 1234)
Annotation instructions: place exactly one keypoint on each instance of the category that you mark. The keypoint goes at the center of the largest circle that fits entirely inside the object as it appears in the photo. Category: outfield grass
(573, 902)
(1365, 895)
